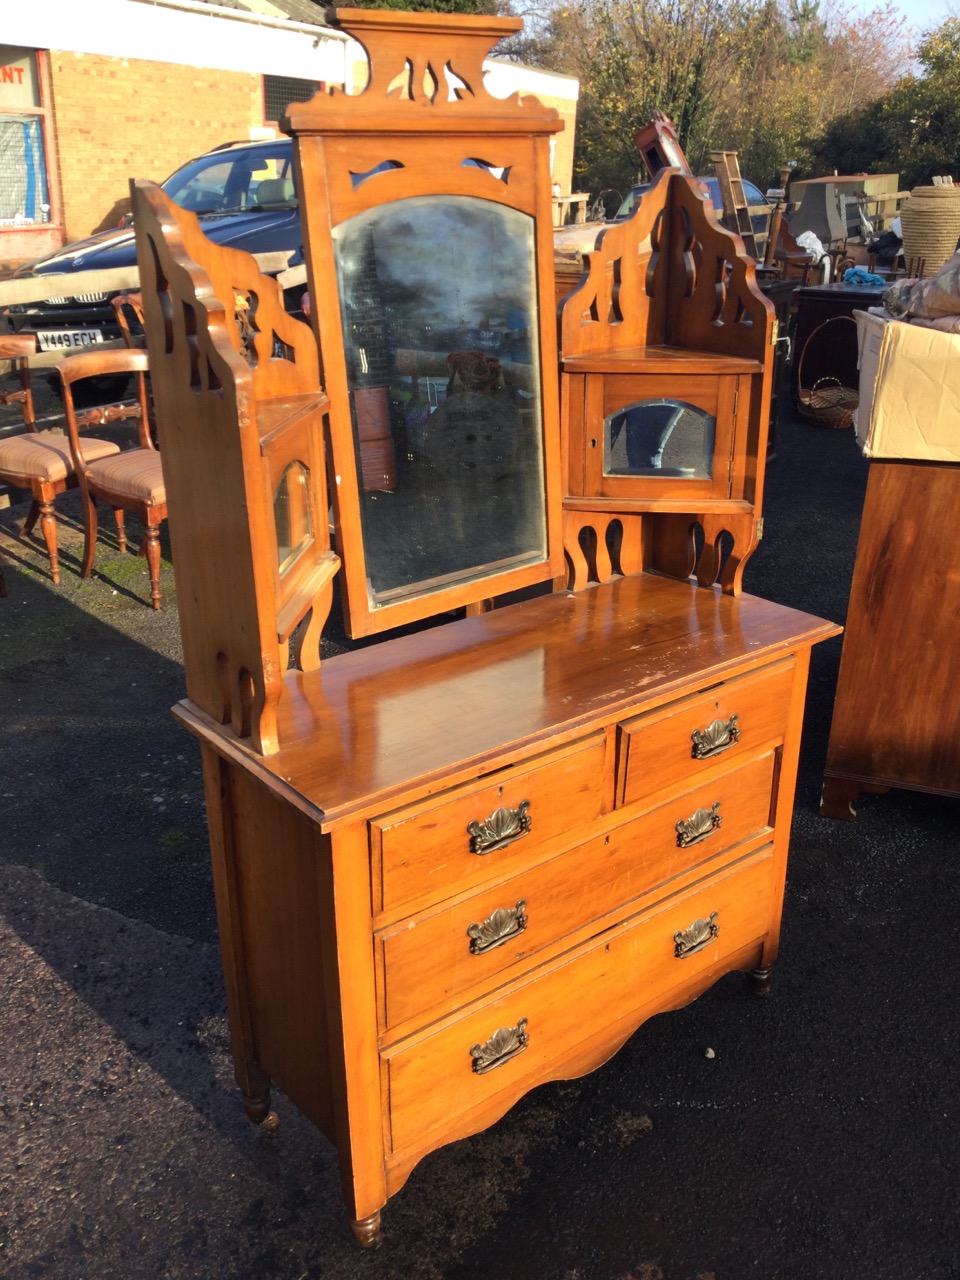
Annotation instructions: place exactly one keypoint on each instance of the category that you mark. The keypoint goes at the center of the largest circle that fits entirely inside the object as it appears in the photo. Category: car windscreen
(229, 181)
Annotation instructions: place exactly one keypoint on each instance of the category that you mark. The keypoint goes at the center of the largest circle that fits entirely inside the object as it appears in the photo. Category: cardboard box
(909, 390)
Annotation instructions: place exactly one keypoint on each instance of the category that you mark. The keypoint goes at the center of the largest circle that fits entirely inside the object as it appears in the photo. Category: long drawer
(676, 743)
(430, 960)
(450, 843)
(525, 1034)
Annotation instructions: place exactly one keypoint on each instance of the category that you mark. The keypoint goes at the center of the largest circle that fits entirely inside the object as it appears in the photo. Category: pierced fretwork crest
(421, 60)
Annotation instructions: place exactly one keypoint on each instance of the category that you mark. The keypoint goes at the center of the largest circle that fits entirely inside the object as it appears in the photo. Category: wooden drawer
(657, 750)
(598, 990)
(425, 849)
(430, 960)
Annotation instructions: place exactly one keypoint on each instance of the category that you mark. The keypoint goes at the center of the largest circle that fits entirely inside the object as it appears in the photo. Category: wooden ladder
(735, 205)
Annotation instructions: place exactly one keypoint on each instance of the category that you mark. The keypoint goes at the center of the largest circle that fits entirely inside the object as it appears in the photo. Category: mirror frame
(414, 130)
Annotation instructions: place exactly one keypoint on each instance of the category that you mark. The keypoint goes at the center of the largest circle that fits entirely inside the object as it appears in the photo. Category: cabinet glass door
(664, 437)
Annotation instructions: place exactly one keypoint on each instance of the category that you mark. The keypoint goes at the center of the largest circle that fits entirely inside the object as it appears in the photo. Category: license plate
(67, 339)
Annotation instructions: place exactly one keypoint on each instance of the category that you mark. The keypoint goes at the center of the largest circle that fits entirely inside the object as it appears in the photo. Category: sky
(921, 14)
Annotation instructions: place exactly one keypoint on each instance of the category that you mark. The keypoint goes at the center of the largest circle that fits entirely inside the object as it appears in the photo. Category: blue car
(244, 195)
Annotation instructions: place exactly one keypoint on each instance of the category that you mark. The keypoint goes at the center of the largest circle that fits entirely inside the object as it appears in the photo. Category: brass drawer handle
(698, 826)
(500, 1048)
(500, 829)
(499, 927)
(687, 942)
(716, 737)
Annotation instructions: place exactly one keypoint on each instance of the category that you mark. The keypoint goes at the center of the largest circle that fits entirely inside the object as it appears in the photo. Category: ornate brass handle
(500, 829)
(500, 1048)
(687, 942)
(716, 737)
(498, 928)
(698, 826)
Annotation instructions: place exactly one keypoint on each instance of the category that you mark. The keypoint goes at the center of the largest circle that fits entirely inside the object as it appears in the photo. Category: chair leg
(31, 519)
(48, 523)
(153, 563)
(119, 520)
(89, 535)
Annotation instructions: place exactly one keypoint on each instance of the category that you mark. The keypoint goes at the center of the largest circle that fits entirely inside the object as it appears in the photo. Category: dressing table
(464, 859)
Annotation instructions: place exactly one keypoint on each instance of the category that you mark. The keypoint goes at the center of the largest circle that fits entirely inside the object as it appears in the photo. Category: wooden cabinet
(896, 721)
(462, 861)
(825, 344)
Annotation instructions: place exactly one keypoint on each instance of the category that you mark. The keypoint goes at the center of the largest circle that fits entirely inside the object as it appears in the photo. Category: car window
(228, 183)
(754, 194)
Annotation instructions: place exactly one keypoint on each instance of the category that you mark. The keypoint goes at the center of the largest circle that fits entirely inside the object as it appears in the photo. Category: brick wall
(115, 118)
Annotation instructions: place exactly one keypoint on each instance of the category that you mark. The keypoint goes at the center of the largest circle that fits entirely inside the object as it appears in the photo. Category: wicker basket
(828, 402)
(930, 219)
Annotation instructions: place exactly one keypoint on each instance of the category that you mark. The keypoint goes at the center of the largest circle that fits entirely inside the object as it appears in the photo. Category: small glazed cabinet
(472, 857)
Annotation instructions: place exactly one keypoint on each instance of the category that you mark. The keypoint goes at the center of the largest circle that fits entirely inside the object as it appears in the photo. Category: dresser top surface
(451, 701)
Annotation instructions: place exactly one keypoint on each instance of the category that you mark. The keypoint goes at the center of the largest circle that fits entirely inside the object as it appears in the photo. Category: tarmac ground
(811, 1136)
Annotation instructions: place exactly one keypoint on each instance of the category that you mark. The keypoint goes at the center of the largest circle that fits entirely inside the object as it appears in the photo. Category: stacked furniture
(476, 856)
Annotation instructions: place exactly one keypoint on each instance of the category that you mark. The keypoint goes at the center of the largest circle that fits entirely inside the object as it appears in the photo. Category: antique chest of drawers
(496, 849)
(475, 857)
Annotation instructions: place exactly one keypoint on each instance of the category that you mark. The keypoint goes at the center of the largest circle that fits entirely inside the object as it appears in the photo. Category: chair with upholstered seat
(129, 480)
(41, 461)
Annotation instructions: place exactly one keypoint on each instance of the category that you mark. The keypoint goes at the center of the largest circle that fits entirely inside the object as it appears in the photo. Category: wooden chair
(129, 480)
(18, 348)
(127, 307)
(42, 461)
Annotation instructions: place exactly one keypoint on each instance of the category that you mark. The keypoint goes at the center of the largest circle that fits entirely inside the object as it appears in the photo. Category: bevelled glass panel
(291, 514)
(660, 437)
(439, 305)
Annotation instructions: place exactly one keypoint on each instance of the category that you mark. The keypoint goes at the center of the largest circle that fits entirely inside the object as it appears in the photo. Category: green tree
(762, 77)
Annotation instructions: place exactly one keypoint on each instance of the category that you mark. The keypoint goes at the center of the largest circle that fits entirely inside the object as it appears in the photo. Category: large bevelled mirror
(438, 300)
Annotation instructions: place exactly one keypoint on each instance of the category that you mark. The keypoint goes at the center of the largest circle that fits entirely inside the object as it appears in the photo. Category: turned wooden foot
(152, 550)
(367, 1231)
(48, 524)
(119, 518)
(257, 1108)
(759, 981)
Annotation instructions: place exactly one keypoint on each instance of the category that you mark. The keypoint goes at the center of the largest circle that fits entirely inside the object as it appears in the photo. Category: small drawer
(430, 960)
(460, 838)
(676, 743)
(524, 1036)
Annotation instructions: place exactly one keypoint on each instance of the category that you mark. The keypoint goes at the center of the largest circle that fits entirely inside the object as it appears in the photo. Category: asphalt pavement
(811, 1136)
